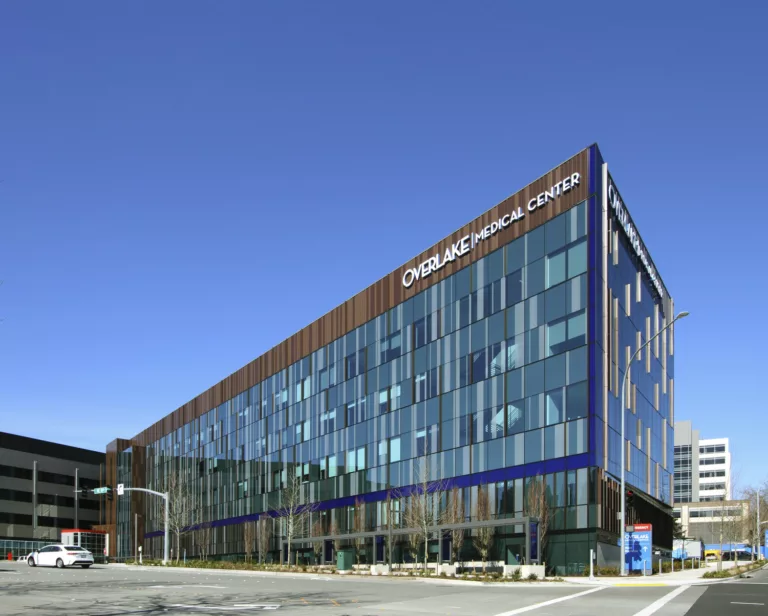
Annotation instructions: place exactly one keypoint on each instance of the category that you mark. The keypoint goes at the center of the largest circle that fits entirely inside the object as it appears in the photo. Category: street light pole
(624, 445)
(166, 496)
(757, 535)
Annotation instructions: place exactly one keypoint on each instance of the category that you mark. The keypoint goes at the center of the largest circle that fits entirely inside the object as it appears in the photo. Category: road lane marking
(536, 606)
(745, 603)
(658, 604)
(224, 608)
(184, 586)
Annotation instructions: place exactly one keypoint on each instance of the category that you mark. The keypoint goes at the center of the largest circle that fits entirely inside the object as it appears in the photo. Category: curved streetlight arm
(624, 380)
(166, 497)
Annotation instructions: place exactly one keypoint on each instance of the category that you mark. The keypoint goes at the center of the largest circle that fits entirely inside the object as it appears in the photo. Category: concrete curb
(630, 582)
(339, 577)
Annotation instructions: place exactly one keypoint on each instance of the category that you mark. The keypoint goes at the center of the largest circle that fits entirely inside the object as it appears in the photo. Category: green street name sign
(101, 490)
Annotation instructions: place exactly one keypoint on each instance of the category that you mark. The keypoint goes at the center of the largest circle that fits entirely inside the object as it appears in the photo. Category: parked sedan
(60, 556)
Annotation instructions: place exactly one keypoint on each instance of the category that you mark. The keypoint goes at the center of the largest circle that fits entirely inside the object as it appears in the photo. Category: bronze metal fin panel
(387, 293)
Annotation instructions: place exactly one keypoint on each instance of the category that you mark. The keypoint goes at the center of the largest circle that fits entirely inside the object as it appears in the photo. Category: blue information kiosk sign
(534, 542)
(638, 553)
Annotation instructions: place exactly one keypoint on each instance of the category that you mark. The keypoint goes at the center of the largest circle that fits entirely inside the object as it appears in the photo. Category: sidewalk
(678, 578)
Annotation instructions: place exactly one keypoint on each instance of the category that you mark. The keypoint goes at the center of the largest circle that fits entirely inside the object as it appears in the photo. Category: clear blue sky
(150, 153)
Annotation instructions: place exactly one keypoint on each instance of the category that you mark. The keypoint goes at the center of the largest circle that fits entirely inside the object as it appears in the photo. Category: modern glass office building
(494, 359)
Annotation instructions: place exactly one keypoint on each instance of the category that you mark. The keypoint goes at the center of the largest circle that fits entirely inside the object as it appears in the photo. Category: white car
(60, 556)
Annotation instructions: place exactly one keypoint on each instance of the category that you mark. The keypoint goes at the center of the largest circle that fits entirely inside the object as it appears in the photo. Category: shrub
(516, 575)
(533, 577)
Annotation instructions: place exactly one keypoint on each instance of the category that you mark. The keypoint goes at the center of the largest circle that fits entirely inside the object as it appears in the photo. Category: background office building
(686, 484)
(713, 522)
(703, 490)
(714, 470)
(494, 359)
(37, 490)
(702, 466)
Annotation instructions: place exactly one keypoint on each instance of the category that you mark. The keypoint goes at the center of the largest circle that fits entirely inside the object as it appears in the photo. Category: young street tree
(538, 507)
(294, 511)
(483, 537)
(454, 514)
(181, 510)
(334, 532)
(422, 510)
(202, 539)
(263, 537)
(392, 504)
(358, 526)
(249, 534)
(318, 539)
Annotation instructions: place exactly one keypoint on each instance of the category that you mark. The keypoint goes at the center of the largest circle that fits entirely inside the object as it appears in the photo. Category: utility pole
(136, 536)
(34, 495)
(77, 499)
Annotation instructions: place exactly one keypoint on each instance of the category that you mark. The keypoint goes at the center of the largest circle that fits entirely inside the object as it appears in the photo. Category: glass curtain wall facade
(501, 373)
(125, 526)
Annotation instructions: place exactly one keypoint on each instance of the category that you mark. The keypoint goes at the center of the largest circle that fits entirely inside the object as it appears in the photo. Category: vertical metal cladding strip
(593, 305)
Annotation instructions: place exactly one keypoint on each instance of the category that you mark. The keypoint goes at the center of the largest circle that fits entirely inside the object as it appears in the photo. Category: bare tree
(249, 534)
(454, 514)
(753, 529)
(538, 507)
(263, 536)
(317, 539)
(483, 537)
(202, 538)
(334, 531)
(389, 513)
(294, 511)
(197, 540)
(358, 526)
(181, 509)
(412, 540)
(423, 507)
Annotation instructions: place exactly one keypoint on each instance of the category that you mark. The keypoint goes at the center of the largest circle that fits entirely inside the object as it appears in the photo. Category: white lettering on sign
(465, 245)
(622, 215)
(554, 192)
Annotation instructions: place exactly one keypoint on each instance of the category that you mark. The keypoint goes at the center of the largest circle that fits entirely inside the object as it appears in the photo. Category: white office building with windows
(714, 470)
(702, 466)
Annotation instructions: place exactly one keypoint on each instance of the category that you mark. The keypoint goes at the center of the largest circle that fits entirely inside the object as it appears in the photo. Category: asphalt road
(744, 597)
(117, 591)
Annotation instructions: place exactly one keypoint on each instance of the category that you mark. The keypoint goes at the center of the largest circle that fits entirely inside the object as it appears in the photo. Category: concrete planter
(379, 569)
(525, 571)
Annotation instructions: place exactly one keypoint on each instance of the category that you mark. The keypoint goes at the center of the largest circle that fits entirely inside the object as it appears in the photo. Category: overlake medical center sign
(467, 243)
(628, 226)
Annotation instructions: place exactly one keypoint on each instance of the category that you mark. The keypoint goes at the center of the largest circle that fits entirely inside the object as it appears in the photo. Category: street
(114, 591)
(745, 597)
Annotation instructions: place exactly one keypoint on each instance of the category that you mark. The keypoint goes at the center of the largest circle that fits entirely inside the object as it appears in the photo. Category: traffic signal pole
(165, 497)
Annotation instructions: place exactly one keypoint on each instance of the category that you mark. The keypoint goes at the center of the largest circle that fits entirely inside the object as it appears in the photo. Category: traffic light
(110, 494)
(84, 493)
(630, 498)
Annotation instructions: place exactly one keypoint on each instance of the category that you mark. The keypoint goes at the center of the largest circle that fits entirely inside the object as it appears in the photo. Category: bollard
(591, 564)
